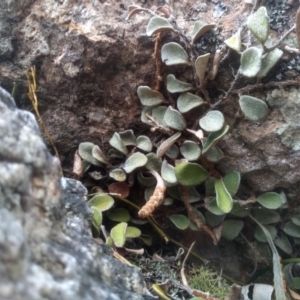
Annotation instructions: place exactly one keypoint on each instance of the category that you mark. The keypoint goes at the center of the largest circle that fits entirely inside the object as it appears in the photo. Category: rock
(47, 251)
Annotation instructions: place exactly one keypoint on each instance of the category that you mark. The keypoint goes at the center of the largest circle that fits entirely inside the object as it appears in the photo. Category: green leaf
(187, 101)
(259, 234)
(259, 25)
(250, 62)
(128, 138)
(213, 138)
(213, 121)
(97, 217)
(166, 145)
(109, 241)
(284, 244)
(200, 66)
(291, 229)
(214, 154)
(167, 173)
(149, 97)
(146, 180)
(223, 197)
(147, 239)
(190, 150)
(173, 54)
(158, 115)
(135, 161)
(232, 182)
(102, 202)
(154, 162)
(174, 119)
(119, 214)
(265, 216)
(158, 24)
(278, 279)
(133, 232)
(269, 61)
(118, 175)
(144, 143)
(240, 211)
(177, 86)
(189, 174)
(231, 229)
(200, 27)
(117, 143)
(114, 153)
(296, 220)
(180, 221)
(85, 151)
(234, 42)
(118, 234)
(253, 108)
(270, 200)
(213, 219)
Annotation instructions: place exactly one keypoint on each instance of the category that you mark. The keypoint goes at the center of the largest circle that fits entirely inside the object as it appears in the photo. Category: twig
(281, 39)
(184, 196)
(158, 76)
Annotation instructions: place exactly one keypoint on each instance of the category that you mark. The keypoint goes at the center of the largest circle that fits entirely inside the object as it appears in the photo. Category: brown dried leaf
(120, 188)
(77, 165)
(135, 11)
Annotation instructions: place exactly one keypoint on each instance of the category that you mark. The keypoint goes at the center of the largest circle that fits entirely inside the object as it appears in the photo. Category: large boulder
(46, 247)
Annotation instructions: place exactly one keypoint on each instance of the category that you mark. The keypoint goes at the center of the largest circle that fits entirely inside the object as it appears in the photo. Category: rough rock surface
(46, 249)
(90, 61)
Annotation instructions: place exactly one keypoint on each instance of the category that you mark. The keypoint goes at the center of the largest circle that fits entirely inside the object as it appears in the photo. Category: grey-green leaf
(265, 216)
(292, 229)
(97, 217)
(231, 229)
(253, 108)
(234, 42)
(118, 174)
(118, 234)
(270, 200)
(173, 54)
(260, 235)
(99, 155)
(158, 115)
(259, 25)
(149, 97)
(214, 154)
(85, 151)
(174, 119)
(180, 221)
(223, 197)
(128, 138)
(146, 180)
(117, 143)
(167, 173)
(213, 138)
(232, 182)
(187, 101)
(177, 86)
(154, 162)
(200, 27)
(250, 62)
(166, 145)
(213, 121)
(144, 143)
(200, 66)
(283, 243)
(190, 150)
(269, 61)
(173, 152)
(158, 24)
(136, 160)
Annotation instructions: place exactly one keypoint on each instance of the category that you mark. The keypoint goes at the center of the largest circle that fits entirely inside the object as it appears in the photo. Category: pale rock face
(47, 251)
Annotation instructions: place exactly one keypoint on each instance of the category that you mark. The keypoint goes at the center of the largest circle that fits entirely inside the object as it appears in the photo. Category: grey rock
(47, 250)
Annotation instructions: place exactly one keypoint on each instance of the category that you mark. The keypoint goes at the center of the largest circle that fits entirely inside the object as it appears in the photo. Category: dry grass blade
(77, 165)
(32, 86)
(298, 27)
